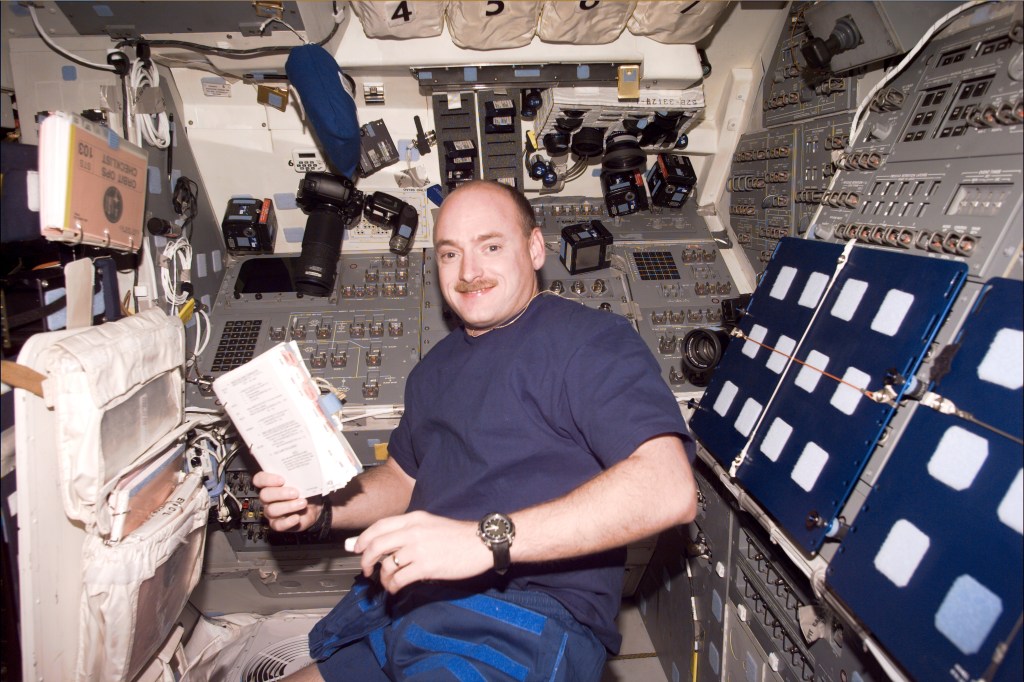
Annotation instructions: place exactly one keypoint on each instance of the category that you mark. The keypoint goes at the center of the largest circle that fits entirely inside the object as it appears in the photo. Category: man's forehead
(482, 217)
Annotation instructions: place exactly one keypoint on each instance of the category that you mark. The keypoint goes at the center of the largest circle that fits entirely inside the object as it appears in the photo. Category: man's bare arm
(651, 490)
(377, 493)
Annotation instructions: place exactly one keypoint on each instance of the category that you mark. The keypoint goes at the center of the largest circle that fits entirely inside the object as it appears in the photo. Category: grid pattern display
(655, 265)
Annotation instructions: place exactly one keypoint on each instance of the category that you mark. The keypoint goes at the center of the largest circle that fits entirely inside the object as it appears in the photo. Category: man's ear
(536, 244)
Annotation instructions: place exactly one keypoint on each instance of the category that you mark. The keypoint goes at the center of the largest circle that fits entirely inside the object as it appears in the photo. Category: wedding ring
(394, 558)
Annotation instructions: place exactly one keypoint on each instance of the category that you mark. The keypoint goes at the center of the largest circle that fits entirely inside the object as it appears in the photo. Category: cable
(946, 406)
(856, 123)
(577, 169)
(204, 330)
(176, 270)
(155, 129)
(942, 21)
(271, 20)
(887, 396)
(339, 15)
(186, 203)
(59, 50)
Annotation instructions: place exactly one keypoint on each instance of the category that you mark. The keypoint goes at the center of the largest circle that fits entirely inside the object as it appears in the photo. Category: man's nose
(469, 268)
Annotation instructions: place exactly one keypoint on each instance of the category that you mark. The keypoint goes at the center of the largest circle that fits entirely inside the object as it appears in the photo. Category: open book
(276, 407)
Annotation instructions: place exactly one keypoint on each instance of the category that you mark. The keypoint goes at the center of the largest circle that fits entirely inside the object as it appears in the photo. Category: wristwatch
(497, 532)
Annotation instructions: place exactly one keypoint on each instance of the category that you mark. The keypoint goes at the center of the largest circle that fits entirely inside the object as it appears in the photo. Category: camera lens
(622, 153)
(321, 248)
(332, 202)
(702, 350)
(568, 124)
(588, 142)
(556, 143)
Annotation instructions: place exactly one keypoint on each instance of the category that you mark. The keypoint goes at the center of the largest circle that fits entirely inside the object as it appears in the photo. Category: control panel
(362, 339)
(792, 92)
(935, 169)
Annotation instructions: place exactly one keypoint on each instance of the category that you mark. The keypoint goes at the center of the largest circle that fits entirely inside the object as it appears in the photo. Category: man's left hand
(421, 546)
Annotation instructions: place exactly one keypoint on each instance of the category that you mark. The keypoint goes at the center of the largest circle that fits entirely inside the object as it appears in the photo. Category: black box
(671, 180)
(249, 226)
(584, 247)
(376, 148)
(454, 149)
(624, 192)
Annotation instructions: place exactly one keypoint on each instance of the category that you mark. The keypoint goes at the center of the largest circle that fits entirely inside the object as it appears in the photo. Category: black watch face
(495, 528)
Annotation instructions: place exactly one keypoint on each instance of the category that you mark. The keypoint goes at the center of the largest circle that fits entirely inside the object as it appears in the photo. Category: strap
(24, 377)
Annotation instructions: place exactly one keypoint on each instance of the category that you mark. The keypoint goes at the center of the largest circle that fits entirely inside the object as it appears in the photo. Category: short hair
(524, 210)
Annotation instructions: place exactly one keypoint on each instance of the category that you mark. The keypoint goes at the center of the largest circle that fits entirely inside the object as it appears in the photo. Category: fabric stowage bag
(405, 19)
(671, 21)
(115, 389)
(583, 23)
(492, 25)
(132, 591)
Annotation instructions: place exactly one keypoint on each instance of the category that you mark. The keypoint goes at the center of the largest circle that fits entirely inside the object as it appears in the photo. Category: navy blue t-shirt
(527, 413)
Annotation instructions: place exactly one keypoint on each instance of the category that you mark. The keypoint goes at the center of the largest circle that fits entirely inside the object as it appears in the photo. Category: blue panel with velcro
(479, 652)
(329, 108)
(378, 646)
(933, 560)
(504, 611)
(804, 427)
(428, 668)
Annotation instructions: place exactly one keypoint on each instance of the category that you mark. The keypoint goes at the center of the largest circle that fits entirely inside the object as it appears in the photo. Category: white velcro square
(783, 282)
(724, 400)
(757, 333)
(1011, 509)
(849, 299)
(901, 553)
(748, 416)
(808, 377)
(967, 614)
(958, 458)
(815, 286)
(809, 466)
(783, 349)
(891, 313)
(846, 397)
(776, 438)
(1003, 364)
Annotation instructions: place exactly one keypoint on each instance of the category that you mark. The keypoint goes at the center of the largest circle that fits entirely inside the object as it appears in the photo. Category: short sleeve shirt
(525, 414)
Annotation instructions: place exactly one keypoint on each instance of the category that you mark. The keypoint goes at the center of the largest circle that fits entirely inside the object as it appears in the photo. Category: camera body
(249, 226)
(396, 215)
(324, 191)
(333, 203)
(671, 180)
(624, 192)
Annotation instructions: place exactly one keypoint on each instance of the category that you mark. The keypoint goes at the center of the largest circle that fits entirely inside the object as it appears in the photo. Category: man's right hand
(283, 507)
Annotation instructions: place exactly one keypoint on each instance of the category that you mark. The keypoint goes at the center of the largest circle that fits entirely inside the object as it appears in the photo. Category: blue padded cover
(329, 108)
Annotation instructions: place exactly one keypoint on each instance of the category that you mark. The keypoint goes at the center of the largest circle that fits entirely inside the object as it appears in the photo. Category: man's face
(486, 265)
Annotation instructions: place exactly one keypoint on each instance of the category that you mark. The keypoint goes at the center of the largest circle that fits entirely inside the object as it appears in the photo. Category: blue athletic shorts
(502, 636)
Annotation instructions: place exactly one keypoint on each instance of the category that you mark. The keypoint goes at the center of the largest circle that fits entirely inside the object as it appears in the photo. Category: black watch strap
(502, 557)
(321, 528)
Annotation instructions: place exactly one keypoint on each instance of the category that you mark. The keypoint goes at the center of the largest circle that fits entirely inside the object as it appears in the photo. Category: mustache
(475, 285)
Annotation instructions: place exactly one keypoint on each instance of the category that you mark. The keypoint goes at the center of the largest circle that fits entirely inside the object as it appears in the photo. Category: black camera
(396, 215)
(624, 192)
(332, 203)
